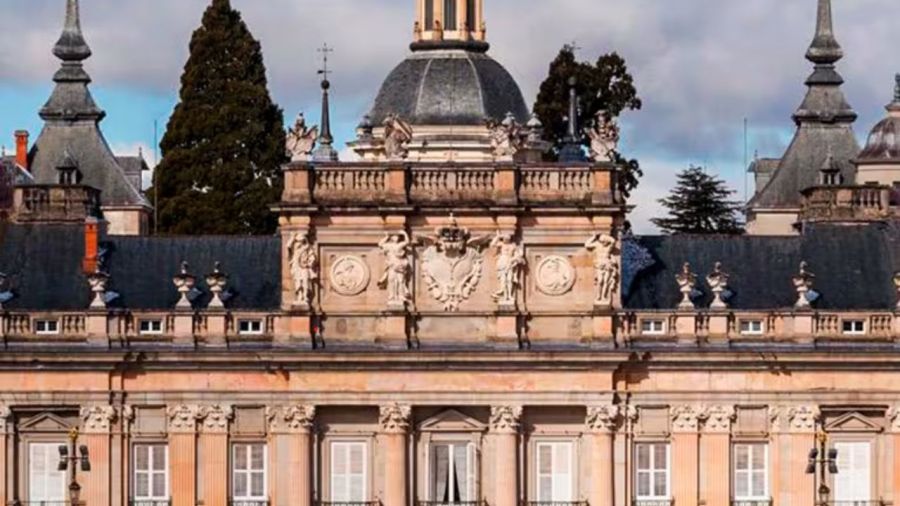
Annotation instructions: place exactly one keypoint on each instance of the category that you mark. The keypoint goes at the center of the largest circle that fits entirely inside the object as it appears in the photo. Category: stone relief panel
(452, 264)
(398, 265)
(554, 276)
(510, 264)
(349, 275)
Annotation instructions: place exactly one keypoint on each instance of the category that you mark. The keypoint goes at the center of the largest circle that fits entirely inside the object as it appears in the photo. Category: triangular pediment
(451, 420)
(853, 422)
(45, 422)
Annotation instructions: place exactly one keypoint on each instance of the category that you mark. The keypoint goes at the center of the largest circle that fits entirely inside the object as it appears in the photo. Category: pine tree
(605, 85)
(699, 204)
(224, 144)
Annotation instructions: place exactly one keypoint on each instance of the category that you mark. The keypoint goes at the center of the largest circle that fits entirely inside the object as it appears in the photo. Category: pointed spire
(325, 152)
(824, 48)
(71, 46)
(894, 107)
(897, 88)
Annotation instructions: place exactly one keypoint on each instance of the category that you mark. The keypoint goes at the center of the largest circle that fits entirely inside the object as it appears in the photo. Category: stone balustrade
(53, 203)
(846, 204)
(368, 184)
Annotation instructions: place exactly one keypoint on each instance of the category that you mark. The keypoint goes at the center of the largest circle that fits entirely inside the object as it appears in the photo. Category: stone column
(290, 454)
(182, 428)
(214, 454)
(504, 431)
(685, 468)
(795, 429)
(393, 421)
(894, 482)
(601, 425)
(5, 429)
(96, 427)
(716, 455)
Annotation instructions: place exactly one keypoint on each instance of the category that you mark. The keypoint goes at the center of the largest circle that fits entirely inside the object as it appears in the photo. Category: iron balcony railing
(456, 503)
(652, 502)
(856, 503)
(150, 502)
(348, 503)
(41, 503)
(249, 502)
(555, 503)
(751, 502)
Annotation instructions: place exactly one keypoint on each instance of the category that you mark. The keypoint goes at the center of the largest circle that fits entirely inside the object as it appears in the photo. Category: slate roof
(449, 87)
(44, 268)
(854, 267)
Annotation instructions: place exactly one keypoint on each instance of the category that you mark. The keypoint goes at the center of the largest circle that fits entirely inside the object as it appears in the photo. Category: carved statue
(897, 274)
(803, 283)
(718, 283)
(606, 268)
(687, 281)
(303, 262)
(301, 140)
(397, 136)
(507, 137)
(452, 264)
(397, 268)
(510, 262)
(604, 136)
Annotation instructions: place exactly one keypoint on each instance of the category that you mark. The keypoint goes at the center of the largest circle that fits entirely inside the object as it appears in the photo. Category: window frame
(250, 323)
(47, 321)
(52, 462)
(853, 331)
(652, 471)
(871, 471)
(471, 466)
(750, 471)
(150, 471)
(248, 445)
(751, 322)
(653, 322)
(150, 321)
(366, 471)
(573, 468)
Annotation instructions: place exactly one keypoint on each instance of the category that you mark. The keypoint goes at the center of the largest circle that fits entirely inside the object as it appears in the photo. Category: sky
(701, 66)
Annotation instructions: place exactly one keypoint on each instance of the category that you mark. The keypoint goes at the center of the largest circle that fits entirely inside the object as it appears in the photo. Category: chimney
(22, 148)
(91, 245)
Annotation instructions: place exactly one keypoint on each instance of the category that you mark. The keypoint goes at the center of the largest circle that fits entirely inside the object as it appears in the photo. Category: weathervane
(324, 50)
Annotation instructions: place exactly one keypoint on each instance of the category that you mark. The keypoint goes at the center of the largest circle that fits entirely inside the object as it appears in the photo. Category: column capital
(394, 418)
(603, 418)
(686, 418)
(794, 419)
(5, 414)
(893, 415)
(293, 419)
(97, 419)
(505, 419)
(215, 418)
(182, 418)
(718, 419)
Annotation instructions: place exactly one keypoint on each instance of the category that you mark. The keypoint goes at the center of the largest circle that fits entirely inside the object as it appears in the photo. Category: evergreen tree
(605, 85)
(225, 142)
(699, 204)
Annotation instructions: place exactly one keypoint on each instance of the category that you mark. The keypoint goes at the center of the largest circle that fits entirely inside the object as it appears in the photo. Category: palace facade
(452, 320)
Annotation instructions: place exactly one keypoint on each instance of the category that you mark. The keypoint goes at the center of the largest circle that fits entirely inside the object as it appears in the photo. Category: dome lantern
(449, 23)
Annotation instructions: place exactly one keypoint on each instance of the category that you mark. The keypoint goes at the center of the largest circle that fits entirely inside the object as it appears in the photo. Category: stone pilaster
(96, 426)
(5, 430)
(686, 453)
(504, 430)
(797, 428)
(601, 424)
(214, 420)
(894, 417)
(715, 452)
(393, 427)
(182, 427)
(290, 454)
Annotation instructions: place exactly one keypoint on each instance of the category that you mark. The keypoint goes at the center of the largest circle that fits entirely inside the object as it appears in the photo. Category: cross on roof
(324, 50)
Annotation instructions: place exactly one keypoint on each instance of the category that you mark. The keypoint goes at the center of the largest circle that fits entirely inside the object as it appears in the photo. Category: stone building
(430, 331)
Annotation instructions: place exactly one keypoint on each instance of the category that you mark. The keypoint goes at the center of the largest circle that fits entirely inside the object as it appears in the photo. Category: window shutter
(562, 472)
(339, 472)
(357, 465)
(854, 479)
(471, 479)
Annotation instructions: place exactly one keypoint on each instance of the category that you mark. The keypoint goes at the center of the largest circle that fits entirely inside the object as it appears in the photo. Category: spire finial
(325, 152)
(71, 46)
(824, 49)
(897, 88)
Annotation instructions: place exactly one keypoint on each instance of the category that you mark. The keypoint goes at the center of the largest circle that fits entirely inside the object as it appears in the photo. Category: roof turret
(883, 143)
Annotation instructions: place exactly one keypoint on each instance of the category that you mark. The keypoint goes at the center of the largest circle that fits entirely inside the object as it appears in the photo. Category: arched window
(429, 15)
(450, 15)
(470, 16)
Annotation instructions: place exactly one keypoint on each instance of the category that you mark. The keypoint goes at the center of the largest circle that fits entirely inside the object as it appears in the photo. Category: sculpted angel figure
(604, 136)
(606, 267)
(303, 264)
(396, 249)
(510, 262)
(301, 140)
(397, 136)
(507, 136)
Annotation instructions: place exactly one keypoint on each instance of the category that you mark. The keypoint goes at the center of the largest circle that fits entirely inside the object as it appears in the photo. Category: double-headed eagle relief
(452, 263)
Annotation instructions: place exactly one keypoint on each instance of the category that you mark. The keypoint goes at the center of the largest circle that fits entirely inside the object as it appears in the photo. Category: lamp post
(823, 460)
(70, 461)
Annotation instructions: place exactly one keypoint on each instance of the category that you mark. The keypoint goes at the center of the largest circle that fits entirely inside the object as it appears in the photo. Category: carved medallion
(555, 276)
(349, 275)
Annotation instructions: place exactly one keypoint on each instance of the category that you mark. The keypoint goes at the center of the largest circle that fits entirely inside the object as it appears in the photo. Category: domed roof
(884, 140)
(455, 86)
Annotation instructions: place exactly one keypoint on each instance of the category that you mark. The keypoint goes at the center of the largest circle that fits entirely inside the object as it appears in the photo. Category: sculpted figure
(301, 140)
(303, 263)
(396, 269)
(397, 136)
(510, 262)
(606, 267)
(604, 136)
(507, 136)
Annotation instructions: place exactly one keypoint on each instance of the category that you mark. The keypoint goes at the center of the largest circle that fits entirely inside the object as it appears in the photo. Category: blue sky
(701, 66)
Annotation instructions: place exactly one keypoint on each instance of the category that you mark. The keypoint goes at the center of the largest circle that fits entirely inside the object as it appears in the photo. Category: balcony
(441, 503)
(652, 502)
(348, 503)
(856, 503)
(41, 503)
(556, 503)
(846, 204)
(248, 502)
(751, 502)
(149, 502)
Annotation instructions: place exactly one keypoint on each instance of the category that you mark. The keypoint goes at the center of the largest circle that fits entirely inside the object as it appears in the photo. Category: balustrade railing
(846, 203)
(449, 184)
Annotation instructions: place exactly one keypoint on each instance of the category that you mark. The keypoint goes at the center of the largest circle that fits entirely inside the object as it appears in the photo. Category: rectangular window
(429, 15)
(450, 15)
(452, 473)
(555, 476)
(249, 472)
(854, 327)
(752, 327)
(250, 327)
(46, 327)
(349, 471)
(151, 327)
(751, 472)
(151, 472)
(653, 327)
(45, 481)
(470, 16)
(652, 461)
(854, 479)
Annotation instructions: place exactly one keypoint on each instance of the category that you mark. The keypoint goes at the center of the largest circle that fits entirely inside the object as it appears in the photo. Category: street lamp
(824, 460)
(70, 461)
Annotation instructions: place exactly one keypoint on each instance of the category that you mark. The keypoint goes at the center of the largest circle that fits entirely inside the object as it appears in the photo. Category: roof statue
(301, 140)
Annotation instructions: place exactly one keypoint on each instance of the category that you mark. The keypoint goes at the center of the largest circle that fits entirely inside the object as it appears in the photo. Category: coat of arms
(452, 264)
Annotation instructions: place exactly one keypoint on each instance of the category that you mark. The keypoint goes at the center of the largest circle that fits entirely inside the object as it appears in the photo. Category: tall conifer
(224, 143)
(700, 204)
